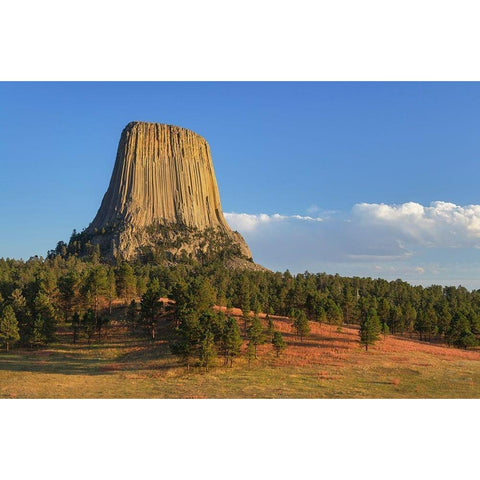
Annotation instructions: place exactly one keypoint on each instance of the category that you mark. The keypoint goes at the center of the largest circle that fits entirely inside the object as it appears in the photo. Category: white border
(249, 40)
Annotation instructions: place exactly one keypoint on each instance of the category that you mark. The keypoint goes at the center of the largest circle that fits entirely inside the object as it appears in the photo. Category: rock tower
(163, 201)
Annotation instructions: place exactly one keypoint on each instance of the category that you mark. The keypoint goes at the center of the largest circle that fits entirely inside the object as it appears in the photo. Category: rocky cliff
(163, 201)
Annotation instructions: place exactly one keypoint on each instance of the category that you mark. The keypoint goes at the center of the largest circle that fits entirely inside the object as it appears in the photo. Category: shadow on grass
(69, 359)
(64, 365)
(320, 341)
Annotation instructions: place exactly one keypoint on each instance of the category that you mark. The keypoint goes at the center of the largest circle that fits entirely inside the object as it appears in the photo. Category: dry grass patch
(328, 364)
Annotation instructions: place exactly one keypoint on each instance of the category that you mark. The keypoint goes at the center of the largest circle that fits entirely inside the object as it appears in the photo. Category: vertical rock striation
(162, 194)
(162, 173)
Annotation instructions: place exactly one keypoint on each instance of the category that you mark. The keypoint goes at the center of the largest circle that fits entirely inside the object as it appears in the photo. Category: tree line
(39, 294)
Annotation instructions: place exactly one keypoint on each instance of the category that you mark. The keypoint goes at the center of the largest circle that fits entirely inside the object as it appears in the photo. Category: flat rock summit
(163, 202)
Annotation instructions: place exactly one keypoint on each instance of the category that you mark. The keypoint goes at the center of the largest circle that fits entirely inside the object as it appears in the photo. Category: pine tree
(431, 323)
(141, 285)
(348, 307)
(301, 325)
(37, 336)
(251, 352)
(255, 333)
(89, 324)
(385, 330)
(278, 343)
(46, 283)
(334, 313)
(320, 315)
(270, 326)
(384, 313)
(410, 318)
(208, 352)
(203, 295)
(102, 324)
(231, 340)
(460, 333)
(256, 307)
(44, 310)
(111, 289)
(474, 319)
(466, 340)
(67, 285)
(23, 315)
(9, 333)
(370, 329)
(186, 342)
(444, 319)
(95, 286)
(125, 281)
(132, 316)
(211, 322)
(421, 324)
(397, 321)
(151, 308)
(245, 317)
(76, 325)
(181, 296)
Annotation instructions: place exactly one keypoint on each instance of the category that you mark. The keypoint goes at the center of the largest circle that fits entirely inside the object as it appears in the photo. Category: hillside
(328, 364)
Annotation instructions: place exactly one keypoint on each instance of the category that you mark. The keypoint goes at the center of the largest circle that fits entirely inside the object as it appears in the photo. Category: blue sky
(318, 160)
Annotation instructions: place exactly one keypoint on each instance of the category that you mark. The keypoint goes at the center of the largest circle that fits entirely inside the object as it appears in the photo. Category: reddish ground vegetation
(328, 363)
(327, 346)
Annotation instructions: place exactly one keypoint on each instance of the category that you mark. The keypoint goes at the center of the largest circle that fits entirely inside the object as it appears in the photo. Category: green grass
(129, 368)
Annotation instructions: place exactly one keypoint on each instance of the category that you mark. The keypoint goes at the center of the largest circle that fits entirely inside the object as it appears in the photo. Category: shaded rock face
(163, 195)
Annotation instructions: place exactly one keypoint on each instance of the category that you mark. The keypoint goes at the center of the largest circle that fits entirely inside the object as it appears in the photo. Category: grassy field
(329, 364)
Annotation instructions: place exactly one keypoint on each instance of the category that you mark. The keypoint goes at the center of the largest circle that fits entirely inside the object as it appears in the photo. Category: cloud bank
(373, 234)
(441, 224)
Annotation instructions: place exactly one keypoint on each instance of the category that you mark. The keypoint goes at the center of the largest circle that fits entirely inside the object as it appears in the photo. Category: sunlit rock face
(163, 196)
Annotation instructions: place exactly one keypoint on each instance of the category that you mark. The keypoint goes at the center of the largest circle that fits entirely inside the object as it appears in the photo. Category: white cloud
(247, 222)
(442, 224)
(377, 229)
(411, 241)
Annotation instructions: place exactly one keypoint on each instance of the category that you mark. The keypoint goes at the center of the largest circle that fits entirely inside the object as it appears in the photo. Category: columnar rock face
(162, 173)
(162, 194)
